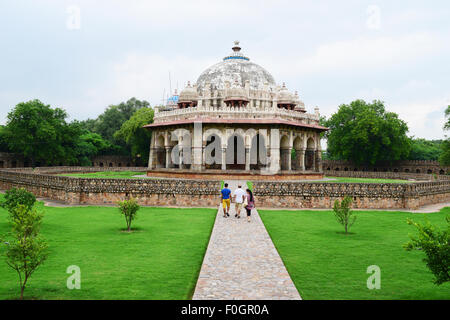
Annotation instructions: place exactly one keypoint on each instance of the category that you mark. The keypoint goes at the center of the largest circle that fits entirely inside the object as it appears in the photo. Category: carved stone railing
(231, 112)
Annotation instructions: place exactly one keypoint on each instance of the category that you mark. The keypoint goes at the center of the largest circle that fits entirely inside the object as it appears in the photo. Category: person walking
(238, 197)
(226, 201)
(249, 203)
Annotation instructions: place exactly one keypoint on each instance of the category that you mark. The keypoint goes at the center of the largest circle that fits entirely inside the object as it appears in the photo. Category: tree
(129, 209)
(444, 159)
(15, 197)
(134, 135)
(422, 149)
(114, 116)
(89, 145)
(343, 213)
(41, 133)
(436, 246)
(365, 133)
(3, 140)
(28, 250)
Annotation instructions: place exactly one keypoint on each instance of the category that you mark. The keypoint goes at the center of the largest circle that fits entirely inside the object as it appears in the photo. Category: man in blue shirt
(226, 200)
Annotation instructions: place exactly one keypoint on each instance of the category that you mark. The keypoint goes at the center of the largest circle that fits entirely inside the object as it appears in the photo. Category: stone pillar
(274, 151)
(152, 156)
(318, 161)
(289, 159)
(302, 159)
(247, 159)
(224, 159)
(197, 143)
(167, 157)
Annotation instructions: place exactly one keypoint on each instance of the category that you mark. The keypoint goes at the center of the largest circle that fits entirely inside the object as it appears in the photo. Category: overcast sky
(83, 56)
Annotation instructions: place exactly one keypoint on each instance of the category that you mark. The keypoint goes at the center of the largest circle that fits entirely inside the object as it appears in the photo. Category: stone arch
(160, 151)
(417, 170)
(212, 131)
(297, 145)
(258, 152)
(235, 154)
(309, 154)
(429, 171)
(441, 171)
(212, 152)
(285, 154)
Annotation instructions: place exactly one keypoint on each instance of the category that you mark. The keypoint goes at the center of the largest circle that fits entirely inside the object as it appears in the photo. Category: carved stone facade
(409, 166)
(237, 116)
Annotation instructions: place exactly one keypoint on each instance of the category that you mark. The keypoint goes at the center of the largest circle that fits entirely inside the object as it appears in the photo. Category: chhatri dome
(235, 66)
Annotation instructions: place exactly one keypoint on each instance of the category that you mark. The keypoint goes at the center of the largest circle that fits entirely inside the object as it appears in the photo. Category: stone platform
(255, 175)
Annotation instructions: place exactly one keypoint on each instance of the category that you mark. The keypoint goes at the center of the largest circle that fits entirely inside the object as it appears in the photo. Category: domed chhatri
(236, 119)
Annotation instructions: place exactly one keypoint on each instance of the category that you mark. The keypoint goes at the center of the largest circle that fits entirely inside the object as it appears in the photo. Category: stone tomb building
(237, 115)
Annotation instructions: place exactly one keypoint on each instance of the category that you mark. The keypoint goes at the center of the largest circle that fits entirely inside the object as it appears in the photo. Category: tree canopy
(365, 133)
(134, 135)
(444, 159)
(113, 117)
(41, 133)
(422, 149)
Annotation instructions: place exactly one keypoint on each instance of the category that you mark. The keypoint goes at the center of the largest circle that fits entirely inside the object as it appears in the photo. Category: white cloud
(361, 55)
(146, 76)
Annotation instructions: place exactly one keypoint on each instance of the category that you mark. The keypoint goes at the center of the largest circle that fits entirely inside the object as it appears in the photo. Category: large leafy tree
(422, 149)
(89, 145)
(134, 135)
(41, 133)
(113, 117)
(444, 159)
(365, 133)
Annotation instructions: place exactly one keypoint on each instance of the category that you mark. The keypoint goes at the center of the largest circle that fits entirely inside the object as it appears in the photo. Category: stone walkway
(241, 262)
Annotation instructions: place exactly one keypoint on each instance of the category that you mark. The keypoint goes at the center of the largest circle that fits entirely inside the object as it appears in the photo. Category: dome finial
(236, 47)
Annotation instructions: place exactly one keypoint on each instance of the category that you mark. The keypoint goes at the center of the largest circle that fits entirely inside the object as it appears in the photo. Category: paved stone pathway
(242, 263)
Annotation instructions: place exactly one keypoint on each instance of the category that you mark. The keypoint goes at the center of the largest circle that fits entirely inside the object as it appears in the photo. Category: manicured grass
(364, 180)
(161, 259)
(324, 263)
(106, 175)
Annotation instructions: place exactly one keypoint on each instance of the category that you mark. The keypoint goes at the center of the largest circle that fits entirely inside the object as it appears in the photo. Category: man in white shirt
(238, 197)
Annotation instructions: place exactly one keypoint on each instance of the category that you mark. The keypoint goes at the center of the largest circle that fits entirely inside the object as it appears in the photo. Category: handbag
(245, 202)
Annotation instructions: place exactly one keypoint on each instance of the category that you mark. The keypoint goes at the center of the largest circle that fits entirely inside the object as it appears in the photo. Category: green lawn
(364, 180)
(106, 175)
(160, 260)
(324, 263)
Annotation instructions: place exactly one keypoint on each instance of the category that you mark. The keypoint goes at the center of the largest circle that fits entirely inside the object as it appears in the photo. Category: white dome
(234, 67)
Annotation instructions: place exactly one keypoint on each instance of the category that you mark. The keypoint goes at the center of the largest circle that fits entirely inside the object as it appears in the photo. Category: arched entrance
(298, 160)
(235, 155)
(285, 153)
(309, 154)
(258, 152)
(213, 152)
(160, 152)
